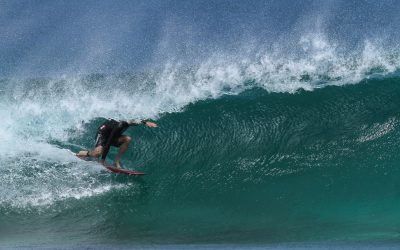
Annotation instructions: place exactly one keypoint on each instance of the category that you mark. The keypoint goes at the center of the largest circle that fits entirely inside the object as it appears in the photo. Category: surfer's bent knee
(124, 140)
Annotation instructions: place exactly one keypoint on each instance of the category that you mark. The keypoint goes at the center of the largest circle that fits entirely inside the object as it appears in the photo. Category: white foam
(66, 102)
(377, 130)
(42, 175)
(32, 115)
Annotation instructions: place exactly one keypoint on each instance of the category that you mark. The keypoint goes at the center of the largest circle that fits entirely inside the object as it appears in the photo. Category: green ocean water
(278, 124)
(253, 167)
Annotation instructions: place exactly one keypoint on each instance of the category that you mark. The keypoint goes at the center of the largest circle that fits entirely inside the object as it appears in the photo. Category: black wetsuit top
(110, 131)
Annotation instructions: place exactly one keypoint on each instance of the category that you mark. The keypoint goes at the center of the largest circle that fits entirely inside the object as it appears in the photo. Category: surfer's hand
(151, 125)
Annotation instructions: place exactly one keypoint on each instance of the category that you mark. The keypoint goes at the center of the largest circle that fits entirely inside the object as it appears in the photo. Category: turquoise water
(251, 167)
(278, 124)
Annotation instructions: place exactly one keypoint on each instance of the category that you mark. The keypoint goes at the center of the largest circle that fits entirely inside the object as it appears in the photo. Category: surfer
(110, 134)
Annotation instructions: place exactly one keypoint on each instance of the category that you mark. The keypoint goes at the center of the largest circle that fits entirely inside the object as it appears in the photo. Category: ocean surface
(279, 146)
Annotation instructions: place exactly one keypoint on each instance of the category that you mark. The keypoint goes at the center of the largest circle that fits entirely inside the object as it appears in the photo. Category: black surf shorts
(101, 140)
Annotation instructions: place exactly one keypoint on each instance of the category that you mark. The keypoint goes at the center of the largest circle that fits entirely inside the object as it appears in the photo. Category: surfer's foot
(117, 164)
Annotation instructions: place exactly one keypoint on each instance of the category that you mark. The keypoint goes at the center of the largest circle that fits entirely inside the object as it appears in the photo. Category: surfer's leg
(96, 152)
(123, 142)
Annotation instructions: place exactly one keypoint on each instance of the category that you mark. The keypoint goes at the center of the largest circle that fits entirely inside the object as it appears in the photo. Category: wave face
(246, 166)
(278, 121)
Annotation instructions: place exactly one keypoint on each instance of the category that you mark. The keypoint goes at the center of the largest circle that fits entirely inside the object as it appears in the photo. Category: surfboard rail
(123, 171)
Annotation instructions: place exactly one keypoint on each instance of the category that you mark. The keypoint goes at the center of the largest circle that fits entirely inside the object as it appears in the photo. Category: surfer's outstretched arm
(136, 122)
(83, 154)
(97, 152)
